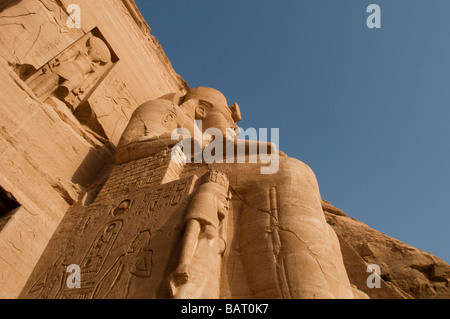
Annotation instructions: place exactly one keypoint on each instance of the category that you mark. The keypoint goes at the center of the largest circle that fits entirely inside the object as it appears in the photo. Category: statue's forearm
(189, 242)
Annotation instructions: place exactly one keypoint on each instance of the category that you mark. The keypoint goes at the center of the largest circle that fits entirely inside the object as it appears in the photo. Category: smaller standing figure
(197, 275)
(53, 280)
(74, 71)
(127, 269)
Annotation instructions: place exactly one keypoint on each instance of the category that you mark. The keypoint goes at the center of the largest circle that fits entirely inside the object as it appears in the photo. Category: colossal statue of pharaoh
(287, 248)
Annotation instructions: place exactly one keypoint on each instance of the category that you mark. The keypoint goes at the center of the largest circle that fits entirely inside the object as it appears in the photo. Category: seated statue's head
(152, 124)
(98, 51)
(212, 108)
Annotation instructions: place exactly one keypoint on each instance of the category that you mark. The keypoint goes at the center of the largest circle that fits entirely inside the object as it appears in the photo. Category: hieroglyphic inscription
(168, 195)
(135, 263)
(111, 242)
(129, 177)
(112, 237)
(34, 31)
(93, 261)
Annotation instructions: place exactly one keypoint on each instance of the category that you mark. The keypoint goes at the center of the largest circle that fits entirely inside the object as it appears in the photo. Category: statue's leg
(188, 247)
(44, 84)
(285, 242)
(202, 282)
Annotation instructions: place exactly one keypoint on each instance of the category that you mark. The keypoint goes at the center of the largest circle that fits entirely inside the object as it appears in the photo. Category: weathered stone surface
(88, 177)
(406, 272)
(50, 154)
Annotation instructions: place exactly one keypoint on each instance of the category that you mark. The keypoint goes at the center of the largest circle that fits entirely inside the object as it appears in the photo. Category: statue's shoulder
(162, 105)
(155, 106)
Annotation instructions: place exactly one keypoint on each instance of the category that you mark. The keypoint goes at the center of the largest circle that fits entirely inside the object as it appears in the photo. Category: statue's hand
(182, 273)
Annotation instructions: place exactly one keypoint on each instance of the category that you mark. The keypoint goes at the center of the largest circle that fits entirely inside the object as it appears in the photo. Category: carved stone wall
(131, 227)
(144, 198)
(53, 149)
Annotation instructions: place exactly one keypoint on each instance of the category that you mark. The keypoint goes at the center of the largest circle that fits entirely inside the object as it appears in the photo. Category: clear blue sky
(367, 109)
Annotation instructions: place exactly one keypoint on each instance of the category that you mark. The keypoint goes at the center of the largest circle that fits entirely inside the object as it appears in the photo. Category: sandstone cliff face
(52, 151)
(406, 272)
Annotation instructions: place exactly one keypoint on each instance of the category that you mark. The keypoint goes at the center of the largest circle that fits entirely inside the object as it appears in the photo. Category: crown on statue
(216, 177)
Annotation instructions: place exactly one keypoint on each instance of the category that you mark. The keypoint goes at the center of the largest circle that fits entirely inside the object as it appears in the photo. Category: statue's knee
(209, 232)
(294, 171)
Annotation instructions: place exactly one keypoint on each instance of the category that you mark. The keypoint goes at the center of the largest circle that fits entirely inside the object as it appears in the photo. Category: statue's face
(219, 117)
(98, 51)
(212, 108)
(94, 55)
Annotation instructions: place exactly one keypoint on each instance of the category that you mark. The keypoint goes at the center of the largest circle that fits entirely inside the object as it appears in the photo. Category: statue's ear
(200, 112)
(202, 109)
(236, 112)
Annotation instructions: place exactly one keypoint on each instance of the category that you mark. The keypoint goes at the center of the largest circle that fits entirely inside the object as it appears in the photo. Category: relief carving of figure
(135, 263)
(52, 281)
(73, 71)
